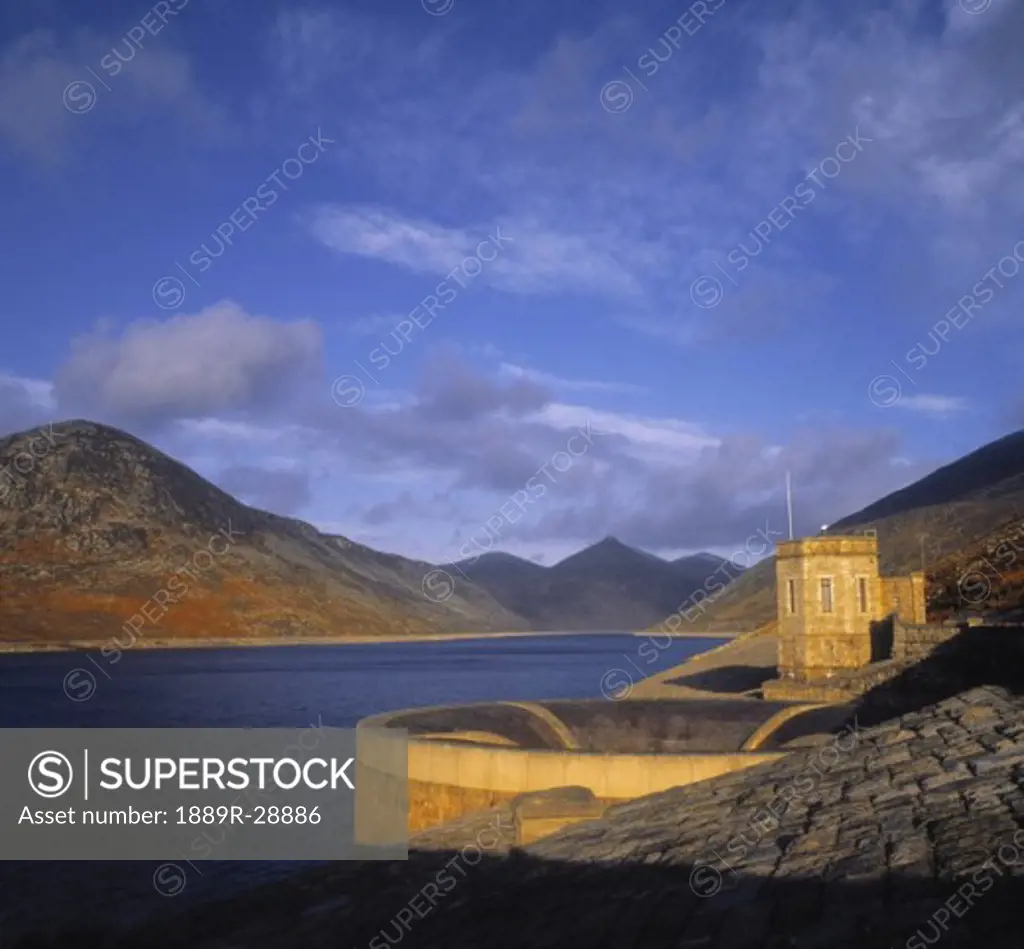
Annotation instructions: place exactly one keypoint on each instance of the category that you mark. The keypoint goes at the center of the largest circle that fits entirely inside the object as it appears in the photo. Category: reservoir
(291, 686)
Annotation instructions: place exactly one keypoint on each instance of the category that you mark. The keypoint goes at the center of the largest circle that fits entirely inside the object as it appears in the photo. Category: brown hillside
(97, 527)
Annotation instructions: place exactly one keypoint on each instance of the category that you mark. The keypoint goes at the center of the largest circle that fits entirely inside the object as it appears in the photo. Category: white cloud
(510, 370)
(37, 392)
(525, 257)
(939, 406)
(244, 433)
(668, 436)
(217, 360)
(24, 402)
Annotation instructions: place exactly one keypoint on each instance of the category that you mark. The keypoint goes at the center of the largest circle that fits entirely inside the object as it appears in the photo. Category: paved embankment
(897, 835)
(726, 671)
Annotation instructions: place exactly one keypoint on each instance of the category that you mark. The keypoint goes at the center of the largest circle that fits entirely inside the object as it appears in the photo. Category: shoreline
(740, 649)
(142, 643)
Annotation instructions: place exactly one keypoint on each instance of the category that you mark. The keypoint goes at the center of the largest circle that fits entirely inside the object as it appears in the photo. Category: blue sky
(706, 241)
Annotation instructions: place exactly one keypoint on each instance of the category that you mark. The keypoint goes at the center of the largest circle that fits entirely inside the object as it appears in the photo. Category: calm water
(293, 686)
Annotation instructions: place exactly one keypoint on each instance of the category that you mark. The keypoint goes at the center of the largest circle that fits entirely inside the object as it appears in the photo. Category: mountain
(702, 561)
(98, 528)
(995, 471)
(949, 521)
(608, 585)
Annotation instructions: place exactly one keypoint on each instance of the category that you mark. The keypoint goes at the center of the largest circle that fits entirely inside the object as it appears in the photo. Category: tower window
(862, 593)
(826, 594)
(791, 592)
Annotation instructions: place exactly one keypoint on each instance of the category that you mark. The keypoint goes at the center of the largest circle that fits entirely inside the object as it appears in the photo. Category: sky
(445, 276)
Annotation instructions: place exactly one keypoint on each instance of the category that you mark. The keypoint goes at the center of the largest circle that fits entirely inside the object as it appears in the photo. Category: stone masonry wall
(812, 642)
(433, 804)
(844, 686)
(904, 596)
(912, 642)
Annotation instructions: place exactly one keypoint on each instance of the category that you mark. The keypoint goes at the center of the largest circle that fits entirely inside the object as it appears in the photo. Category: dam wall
(464, 759)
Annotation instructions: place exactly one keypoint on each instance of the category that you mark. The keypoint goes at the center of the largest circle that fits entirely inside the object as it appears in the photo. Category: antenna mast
(789, 505)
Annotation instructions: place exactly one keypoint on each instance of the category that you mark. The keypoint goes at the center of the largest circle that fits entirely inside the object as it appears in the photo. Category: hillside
(608, 585)
(95, 524)
(986, 576)
(950, 520)
(100, 527)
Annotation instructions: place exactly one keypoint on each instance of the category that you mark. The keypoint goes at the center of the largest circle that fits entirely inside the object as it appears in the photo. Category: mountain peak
(609, 550)
(610, 542)
(495, 558)
(701, 557)
(66, 428)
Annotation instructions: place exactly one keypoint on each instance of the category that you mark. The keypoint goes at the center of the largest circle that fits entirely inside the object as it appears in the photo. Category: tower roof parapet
(833, 545)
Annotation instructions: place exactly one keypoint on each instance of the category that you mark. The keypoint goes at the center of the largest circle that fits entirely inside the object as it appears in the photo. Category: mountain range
(606, 586)
(103, 536)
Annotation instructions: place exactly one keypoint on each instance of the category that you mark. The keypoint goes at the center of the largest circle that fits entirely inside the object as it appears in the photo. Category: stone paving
(901, 835)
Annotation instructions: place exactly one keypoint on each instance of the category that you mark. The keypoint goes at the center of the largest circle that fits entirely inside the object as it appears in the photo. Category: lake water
(294, 686)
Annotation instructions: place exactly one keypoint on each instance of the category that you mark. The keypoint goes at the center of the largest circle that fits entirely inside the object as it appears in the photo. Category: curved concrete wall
(609, 776)
(452, 776)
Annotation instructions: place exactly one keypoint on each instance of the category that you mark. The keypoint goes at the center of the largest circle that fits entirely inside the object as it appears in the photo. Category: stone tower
(829, 594)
